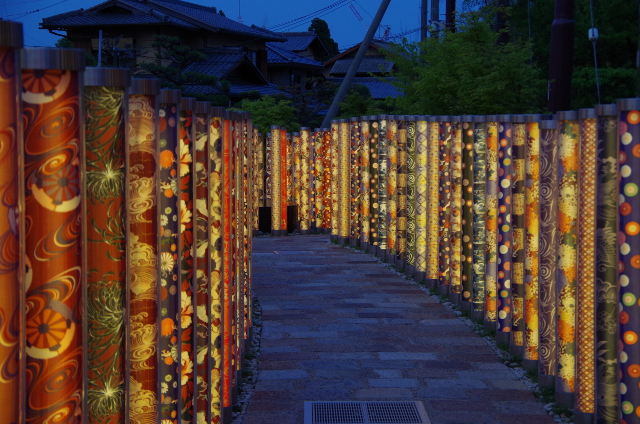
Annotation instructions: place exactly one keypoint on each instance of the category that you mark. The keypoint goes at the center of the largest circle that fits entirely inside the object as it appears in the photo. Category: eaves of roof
(376, 44)
(277, 56)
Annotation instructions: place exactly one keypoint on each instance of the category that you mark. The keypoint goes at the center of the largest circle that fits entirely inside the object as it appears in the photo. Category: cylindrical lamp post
(446, 198)
(491, 265)
(422, 205)
(381, 251)
(304, 206)
(410, 253)
(344, 182)
(433, 194)
(392, 193)
(365, 184)
(355, 175)
(401, 189)
(455, 285)
(466, 236)
(55, 258)
(479, 225)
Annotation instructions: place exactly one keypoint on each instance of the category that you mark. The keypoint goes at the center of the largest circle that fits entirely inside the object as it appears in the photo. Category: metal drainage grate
(365, 413)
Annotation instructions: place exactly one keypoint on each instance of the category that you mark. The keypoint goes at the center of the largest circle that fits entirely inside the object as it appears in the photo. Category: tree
(65, 43)
(269, 111)
(321, 29)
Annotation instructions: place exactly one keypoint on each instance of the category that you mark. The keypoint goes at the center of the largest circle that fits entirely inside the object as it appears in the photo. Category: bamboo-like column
(392, 192)
(629, 257)
(216, 260)
(607, 299)
(374, 184)
(273, 180)
(532, 237)
(344, 182)
(401, 189)
(466, 259)
(258, 177)
(547, 252)
(478, 216)
(327, 185)
(422, 187)
(455, 285)
(365, 183)
(335, 178)
(491, 266)
(518, 223)
(313, 178)
(586, 290)
(381, 251)
(411, 196)
(297, 180)
(304, 207)
(433, 193)
(285, 181)
(446, 198)
(355, 221)
(12, 232)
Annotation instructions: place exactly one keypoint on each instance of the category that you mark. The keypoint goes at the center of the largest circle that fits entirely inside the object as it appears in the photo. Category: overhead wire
(301, 20)
(20, 15)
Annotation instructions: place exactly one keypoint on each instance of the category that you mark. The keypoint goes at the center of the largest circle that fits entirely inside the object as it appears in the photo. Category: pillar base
(355, 243)
(325, 230)
(454, 298)
(517, 351)
(409, 270)
(443, 290)
(227, 415)
(400, 265)
(247, 341)
(530, 364)
(305, 232)
(333, 238)
(364, 246)
(234, 393)
(430, 283)
(503, 338)
(566, 399)
(420, 276)
(276, 233)
(583, 418)
(390, 259)
(381, 253)
(489, 325)
(466, 306)
(256, 233)
(477, 315)
(546, 380)
(343, 241)
(371, 249)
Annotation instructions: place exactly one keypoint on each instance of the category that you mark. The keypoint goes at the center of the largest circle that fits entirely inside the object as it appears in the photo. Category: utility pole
(435, 14)
(423, 20)
(561, 59)
(353, 68)
(451, 15)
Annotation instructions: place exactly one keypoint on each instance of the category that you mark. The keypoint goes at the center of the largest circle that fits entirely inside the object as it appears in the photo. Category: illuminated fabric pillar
(568, 159)
(505, 230)
(433, 194)
(258, 178)
(446, 198)
(586, 290)
(532, 237)
(268, 170)
(401, 189)
(216, 260)
(305, 175)
(467, 214)
(344, 182)
(421, 197)
(274, 178)
(491, 205)
(607, 258)
(261, 167)
(296, 174)
(313, 178)
(228, 309)
(247, 153)
(105, 108)
(547, 252)
(479, 224)
(354, 189)
(518, 153)
(335, 178)
(381, 251)
(285, 182)
(318, 174)
(411, 196)
(12, 236)
(238, 231)
(327, 176)
(290, 167)
(170, 248)
(392, 192)
(456, 207)
(629, 257)
(374, 184)
(53, 160)
(365, 183)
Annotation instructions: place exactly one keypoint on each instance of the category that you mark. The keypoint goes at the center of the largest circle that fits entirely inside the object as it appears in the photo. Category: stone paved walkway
(338, 325)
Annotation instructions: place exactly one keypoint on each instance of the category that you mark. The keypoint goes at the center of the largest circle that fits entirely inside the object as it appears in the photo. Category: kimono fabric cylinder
(585, 307)
(296, 174)
(629, 257)
(392, 195)
(354, 189)
(216, 258)
(401, 193)
(286, 151)
(170, 248)
(410, 253)
(365, 184)
(478, 217)
(466, 260)
(372, 145)
(607, 300)
(12, 266)
(518, 153)
(381, 250)
(344, 182)
(456, 210)
(144, 267)
(203, 292)
(335, 181)
(318, 173)
(260, 160)
(547, 252)
(54, 216)
(305, 180)
(433, 193)
(268, 165)
(532, 236)
(313, 177)
(422, 198)
(327, 185)
(445, 198)
(568, 160)
(273, 158)
(187, 254)
(491, 205)
(258, 178)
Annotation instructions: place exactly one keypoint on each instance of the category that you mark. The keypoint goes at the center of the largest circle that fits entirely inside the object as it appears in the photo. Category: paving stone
(465, 417)
(340, 394)
(282, 374)
(519, 407)
(341, 374)
(523, 419)
(278, 385)
(356, 356)
(384, 393)
(330, 365)
(388, 373)
(447, 383)
(279, 365)
(313, 334)
(340, 327)
(395, 365)
(415, 356)
(278, 349)
(286, 329)
(508, 384)
(394, 382)
(488, 375)
(497, 395)
(329, 384)
(398, 321)
(359, 320)
(461, 405)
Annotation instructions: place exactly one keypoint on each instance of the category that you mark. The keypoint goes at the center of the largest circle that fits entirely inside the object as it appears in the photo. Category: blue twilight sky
(346, 28)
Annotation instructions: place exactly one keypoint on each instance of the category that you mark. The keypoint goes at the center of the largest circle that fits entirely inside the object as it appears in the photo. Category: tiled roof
(379, 89)
(279, 56)
(176, 12)
(218, 64)
(375, 44)
(297, 41)
(374, 64)
(237, 89)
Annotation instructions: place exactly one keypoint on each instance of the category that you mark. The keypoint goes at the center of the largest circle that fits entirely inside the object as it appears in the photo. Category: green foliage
(467, 72)
(268, 111)
(359, 102)
(324, 34)
(65, 43)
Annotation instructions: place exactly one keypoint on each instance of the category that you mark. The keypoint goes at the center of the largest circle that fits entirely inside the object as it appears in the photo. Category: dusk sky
(346, 28)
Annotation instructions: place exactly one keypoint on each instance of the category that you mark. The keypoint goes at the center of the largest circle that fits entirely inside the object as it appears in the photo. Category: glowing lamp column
(12, 270)
(410, 253)
(392, 194)
(433, 203)
(275, 177)
(401, 193)
(287, 182)
(421, 197)
(479, 217)
(381, 250)
(327, 178)
(344, 182)
(491, 205)
(335, 180)
(547, 252)
(355, 175)
(55, 257)
(365, 184)
(455, 284)
(466, 236)
(446, 198)
(372, 145)
(305, 181)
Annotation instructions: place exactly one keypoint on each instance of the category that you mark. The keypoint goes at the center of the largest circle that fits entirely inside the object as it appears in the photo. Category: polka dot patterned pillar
(491, 267)
(365, 183)
(456, 206)
(479, 215)
(433, 192)
(444, 213)
(467, 212)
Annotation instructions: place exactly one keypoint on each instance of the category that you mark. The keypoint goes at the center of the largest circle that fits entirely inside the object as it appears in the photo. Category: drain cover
(365, 413)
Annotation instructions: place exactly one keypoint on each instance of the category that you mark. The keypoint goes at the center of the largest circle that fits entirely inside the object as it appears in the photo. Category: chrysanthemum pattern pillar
(517, 219)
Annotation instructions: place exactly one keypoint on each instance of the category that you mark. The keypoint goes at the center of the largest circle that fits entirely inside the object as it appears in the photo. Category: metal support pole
(560, 63)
